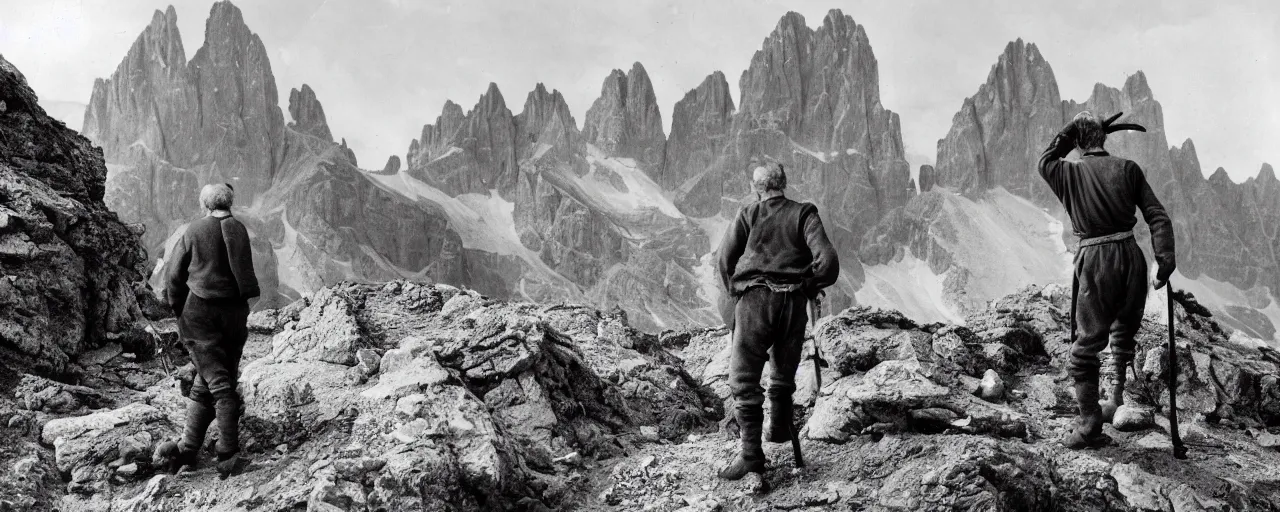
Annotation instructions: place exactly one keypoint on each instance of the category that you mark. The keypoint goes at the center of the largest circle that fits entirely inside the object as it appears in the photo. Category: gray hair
(1089, 131)
(217, 196)
(773, 177)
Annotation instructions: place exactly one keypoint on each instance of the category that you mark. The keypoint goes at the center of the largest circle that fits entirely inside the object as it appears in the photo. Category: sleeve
(1157, 219)
(732, 245)
(1051, 164)
(825, 268)
(240, 257)
(175, 275)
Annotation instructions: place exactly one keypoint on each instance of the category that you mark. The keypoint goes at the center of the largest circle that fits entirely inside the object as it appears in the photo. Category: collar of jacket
(1100, 152)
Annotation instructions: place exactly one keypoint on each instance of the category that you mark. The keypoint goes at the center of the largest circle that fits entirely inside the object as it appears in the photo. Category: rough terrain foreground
(408, 396)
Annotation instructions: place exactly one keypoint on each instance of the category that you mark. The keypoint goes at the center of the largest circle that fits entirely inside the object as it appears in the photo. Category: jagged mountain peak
(308, 114)
(626, 121)
(1136, 86)
(1266, 173)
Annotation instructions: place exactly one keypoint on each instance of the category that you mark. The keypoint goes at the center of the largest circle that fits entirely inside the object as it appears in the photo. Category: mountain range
(619, 214)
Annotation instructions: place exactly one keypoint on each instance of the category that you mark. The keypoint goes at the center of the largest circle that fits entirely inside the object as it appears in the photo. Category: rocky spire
(546, 120)
(699, 124)
(625, 120)
(998, 134)
(485, 154)
(308, 114)
(219, 112)
(153, 74)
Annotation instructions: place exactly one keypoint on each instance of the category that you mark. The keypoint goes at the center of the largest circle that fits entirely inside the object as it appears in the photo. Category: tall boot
(1117, 394)
(751, 457)
(228, 434)
(781, 422)
(172, 456)
(1088, 431)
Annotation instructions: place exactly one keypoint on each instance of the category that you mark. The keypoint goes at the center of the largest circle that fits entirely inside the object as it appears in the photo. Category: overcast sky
(383, 68)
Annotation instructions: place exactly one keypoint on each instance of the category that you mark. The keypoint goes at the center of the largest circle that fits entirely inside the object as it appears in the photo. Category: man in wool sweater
(209, 280)
(774, 258)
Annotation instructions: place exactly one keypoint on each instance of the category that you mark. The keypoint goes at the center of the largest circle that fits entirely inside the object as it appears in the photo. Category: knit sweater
(213, 260)
(780, 242)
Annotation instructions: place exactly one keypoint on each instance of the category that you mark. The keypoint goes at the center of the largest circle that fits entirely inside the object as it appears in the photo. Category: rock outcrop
(69, 268)
(415, 396)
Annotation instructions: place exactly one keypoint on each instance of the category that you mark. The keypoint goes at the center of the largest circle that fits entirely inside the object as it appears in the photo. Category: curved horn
(1125, 126)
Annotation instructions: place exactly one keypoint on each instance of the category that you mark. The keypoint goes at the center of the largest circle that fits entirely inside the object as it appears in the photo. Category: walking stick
(1179, 450)
(815, 307)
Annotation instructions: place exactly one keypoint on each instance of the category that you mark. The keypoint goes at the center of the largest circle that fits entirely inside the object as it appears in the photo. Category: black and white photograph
(639, 255)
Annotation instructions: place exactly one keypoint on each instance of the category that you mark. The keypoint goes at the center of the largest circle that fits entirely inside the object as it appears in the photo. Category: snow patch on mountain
(909, 286)
(641, 193)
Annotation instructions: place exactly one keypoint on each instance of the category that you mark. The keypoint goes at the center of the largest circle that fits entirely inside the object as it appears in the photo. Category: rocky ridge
(411, 396)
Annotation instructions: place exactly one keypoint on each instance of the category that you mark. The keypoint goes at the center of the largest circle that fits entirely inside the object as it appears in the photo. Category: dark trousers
(214, 332)
(1112, 292)
(766, 320)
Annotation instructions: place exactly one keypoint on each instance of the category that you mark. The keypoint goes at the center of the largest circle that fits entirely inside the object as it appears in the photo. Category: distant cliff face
(68, 266)
(168, 126)
(995, 141)
(810, 99)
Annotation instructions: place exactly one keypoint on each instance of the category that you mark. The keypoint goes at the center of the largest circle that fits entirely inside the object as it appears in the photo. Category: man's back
(1100, 193)
(777, 241)
(214, 260)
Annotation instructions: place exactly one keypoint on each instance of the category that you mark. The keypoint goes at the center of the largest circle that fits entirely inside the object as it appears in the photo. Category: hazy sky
(383, 68)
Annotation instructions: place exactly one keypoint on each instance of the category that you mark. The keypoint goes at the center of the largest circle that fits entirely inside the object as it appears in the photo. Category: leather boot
(228, 433)
(1088, 431)
(781, 422)
(171, 456)
(1117, 394)
(751, 457)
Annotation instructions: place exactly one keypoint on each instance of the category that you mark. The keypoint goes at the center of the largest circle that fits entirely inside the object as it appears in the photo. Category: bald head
(769, 178)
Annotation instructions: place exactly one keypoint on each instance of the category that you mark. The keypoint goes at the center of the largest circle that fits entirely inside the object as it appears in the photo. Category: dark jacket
(1100, 194)
(213, 260)
(777, 241)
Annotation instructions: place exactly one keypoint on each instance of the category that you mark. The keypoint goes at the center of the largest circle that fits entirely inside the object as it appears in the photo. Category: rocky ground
(409, 396)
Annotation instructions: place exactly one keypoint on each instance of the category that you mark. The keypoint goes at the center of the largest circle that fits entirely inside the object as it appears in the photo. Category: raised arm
(732, 245)
(1051, 160)
(826, 264)
(1161, 227)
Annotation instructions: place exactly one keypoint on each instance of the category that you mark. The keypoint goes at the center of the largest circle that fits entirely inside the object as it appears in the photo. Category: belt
(1099, 240)
(776, 288)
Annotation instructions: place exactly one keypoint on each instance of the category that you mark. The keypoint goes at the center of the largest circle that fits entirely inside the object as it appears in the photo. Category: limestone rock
(1131, 418)
(325, 331)
(992, 387)
(70, 266)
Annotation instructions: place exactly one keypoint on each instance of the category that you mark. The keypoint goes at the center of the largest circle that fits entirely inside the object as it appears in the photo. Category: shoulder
(804, 209)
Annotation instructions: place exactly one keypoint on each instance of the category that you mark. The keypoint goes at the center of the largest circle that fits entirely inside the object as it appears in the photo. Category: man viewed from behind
(209, 279)
(1100, 193)
(774, 258)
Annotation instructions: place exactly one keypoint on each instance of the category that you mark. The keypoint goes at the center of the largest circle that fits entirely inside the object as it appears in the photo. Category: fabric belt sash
(1099, 240)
